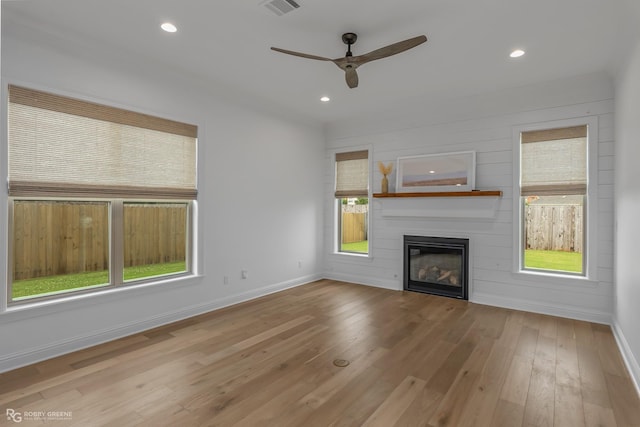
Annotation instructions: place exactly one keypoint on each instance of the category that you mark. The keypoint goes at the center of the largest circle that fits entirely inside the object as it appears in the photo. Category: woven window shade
(352, 174)
(63, 147)
(554, 162)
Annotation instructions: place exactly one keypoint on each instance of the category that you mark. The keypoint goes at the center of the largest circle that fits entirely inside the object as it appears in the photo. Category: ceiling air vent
(280, 7)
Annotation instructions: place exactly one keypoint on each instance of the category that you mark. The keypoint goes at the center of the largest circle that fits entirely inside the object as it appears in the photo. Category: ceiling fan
(349, 63)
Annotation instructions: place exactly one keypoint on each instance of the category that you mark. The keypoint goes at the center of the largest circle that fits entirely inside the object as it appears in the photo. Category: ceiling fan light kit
(349, 63)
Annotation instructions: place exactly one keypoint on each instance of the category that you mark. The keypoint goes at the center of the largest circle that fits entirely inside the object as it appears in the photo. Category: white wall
(482, 123)
(260, 199)
(627, 208)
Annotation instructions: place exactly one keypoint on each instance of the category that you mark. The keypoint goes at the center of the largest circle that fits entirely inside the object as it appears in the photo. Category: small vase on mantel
(384, 170)
(385, 184)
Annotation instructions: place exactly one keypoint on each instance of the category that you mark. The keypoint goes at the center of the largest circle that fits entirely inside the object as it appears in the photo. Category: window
(553, 198)
(98, 196)
(59, 246)
(155, 239)
(352, 195)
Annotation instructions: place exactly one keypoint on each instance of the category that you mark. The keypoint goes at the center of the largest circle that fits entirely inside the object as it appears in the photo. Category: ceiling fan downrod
(349, 39)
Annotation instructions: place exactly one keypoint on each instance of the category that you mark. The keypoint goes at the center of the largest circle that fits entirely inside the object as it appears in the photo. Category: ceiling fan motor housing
(349, 38)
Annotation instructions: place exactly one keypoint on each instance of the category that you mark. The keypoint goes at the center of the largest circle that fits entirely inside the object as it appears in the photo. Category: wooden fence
(354, 227)
(54, 238)
(554, 227)
(154, 234)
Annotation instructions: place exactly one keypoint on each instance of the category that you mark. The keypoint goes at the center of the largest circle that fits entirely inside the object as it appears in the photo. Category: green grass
(149, 270)
(359, 247)
(553, 260)
(54, 284)
(547, 260)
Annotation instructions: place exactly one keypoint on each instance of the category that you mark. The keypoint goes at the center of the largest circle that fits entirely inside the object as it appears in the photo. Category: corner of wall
(633, 366)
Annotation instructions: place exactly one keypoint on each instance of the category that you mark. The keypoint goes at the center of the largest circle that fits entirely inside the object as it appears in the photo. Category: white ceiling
(226, 42)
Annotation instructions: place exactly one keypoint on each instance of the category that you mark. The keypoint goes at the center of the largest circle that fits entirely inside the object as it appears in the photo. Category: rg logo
(13, 415)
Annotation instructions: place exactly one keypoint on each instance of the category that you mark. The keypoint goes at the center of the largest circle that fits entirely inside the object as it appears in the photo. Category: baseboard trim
(487, 299)
(376, 283)
(17, 360)
(633, 366)
(542, 308)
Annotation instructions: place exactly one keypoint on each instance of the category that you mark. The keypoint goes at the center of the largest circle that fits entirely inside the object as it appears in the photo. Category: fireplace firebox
(437, 265)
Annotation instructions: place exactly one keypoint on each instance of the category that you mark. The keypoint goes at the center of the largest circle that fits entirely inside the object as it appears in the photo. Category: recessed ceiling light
(432, 171)
(169, 27)
(517, 53)
(325, 99)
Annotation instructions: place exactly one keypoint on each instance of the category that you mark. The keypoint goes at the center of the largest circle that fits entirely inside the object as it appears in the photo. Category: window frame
(189, 241)
(35, 305)
(337, 205)
(116, 249)
(339, 235)
(590, 225)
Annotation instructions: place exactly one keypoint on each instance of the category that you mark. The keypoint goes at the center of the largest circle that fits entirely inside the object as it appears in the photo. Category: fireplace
(437, 265)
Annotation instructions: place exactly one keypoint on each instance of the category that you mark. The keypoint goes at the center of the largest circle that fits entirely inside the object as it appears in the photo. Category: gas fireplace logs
(439, 275)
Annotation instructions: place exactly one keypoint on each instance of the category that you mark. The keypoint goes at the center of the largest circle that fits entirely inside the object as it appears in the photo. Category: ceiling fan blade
(392, 49)
(302, 55)
(351, 77)
(349, 63)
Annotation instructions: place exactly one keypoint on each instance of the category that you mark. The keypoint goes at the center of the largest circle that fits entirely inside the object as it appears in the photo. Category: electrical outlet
(299, 264)
(244, 274)
(225, 280)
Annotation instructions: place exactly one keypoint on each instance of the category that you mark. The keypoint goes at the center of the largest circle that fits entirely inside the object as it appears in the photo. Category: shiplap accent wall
(484, 124)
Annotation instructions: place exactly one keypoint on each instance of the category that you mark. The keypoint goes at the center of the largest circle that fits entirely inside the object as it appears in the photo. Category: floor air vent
(280, 7)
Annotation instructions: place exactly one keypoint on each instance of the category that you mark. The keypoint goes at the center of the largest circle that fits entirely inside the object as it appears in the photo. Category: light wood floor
(415, 360)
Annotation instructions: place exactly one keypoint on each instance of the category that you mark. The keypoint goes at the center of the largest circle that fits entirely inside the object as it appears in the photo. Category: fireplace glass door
(436, 265)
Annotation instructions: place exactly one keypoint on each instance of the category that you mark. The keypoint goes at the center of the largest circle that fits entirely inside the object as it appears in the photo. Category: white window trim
(335, 214)
(116, 252)
(76, 300)
(39, 306)
(336, 234)
(591, 208)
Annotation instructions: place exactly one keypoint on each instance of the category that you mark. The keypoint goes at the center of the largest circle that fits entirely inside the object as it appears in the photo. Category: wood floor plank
(61, 383)
(624, 400)
(253, 340)
(512, 329)
(593, 384)
(390, 411)
(232, 402)
(597, 416)
(568, 408)
(527, 343)
(415, 360)
(610, 357)
(339, 406)
(451, 409)
(539, 407)
(508, 414)
(362, 407)
(325, 390)
(516, 384)
(421, 409)
(480, 405)
(567, 367)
